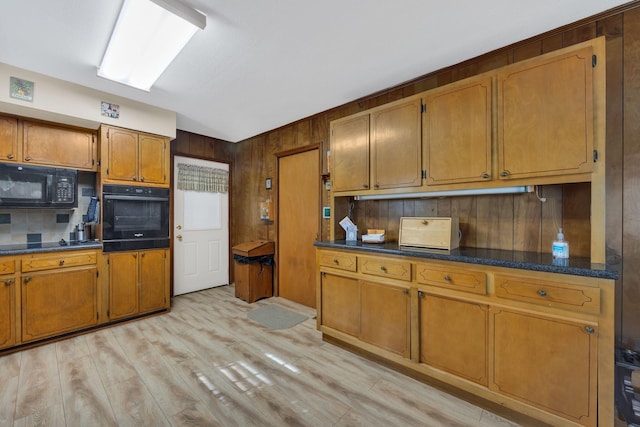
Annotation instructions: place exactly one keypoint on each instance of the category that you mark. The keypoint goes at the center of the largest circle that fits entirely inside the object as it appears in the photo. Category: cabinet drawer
(58, 260)
(551, 294)
(468, 281)
(338, 260)
(7, 266)
(391, 268)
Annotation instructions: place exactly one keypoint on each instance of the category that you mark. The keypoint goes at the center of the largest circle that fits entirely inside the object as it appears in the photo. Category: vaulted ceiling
(259, 65)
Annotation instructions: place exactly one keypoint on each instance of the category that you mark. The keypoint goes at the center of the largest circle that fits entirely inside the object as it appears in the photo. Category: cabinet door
(56, 302)
(8, 312)
(546, 362)
(396, 145)
(457, 132)
(153, 282)
(340, 303)
(384, 316)
(121, 154)
(123, 284)
(350, 153)
(8, 139)
(545, 116)
(453, 336)
(153, 155)
(59, 146)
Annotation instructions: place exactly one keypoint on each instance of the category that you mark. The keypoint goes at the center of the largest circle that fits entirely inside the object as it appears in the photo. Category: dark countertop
(34, 248)
(577, 266)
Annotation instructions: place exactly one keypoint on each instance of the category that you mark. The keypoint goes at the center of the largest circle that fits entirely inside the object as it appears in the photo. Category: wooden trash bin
(253, 269)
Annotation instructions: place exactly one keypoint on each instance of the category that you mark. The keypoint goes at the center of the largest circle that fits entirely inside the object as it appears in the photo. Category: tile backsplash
(51, 224)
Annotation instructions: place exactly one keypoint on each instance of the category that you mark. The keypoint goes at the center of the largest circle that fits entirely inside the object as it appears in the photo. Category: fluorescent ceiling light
(449, 193)
(148, 35)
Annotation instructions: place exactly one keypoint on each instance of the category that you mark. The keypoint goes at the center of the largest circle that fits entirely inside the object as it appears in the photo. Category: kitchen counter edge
(36, 250)
(577, 266)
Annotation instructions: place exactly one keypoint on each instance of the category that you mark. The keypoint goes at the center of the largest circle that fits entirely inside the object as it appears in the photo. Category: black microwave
(24, 186)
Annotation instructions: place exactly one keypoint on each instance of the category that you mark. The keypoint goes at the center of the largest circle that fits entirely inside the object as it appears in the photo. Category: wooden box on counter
(253, 269)
(429, 232)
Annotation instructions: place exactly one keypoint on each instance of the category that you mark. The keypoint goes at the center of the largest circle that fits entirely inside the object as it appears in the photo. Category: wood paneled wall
(515, 221)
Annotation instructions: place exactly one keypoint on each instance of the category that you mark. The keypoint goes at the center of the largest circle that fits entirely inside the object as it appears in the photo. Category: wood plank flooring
(206, 364)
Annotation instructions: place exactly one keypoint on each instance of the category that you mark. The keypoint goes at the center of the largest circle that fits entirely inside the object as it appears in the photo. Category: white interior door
(200, 235)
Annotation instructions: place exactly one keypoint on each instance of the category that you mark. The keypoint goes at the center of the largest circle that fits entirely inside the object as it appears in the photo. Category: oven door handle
(136, 198)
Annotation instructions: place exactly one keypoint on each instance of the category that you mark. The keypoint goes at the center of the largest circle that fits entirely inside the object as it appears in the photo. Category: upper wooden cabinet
(8, 139)
(396, 147)
(51, 145)
(378, 150)
(45, 144)
(539, 121)
(457, 132)
(545, 115)
(350, 153)
(130, 156)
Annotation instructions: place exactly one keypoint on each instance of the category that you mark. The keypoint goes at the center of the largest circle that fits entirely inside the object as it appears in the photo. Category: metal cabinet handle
(335, 261)
(447, 278)
(142, 178)
(27, 158)
(365, 185)
(589, 329)
(383, 268)
(8, 282)
(504, 173)
(486, 175)
(61, 262)
(405, 291)
(377, 185)
(542, 293)
(421, 294)
(10, 156)
(27, 279)
(425, 222)
(135, 178)
(179, 237)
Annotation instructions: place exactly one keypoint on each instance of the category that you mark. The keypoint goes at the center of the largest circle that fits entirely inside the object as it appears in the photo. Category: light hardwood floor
(206, 364)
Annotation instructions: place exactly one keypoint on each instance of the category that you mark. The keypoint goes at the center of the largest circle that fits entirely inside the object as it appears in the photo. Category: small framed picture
(267, 183)
(108, 109)
(21, 89)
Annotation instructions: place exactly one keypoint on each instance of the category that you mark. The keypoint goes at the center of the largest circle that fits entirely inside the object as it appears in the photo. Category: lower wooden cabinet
(385, 316)
(547, 362)
(58, 301)
(374, 313)
(50, 294)
(138, 282)
(8, 312)
(535, 342)
(454, 336)
(340, 303)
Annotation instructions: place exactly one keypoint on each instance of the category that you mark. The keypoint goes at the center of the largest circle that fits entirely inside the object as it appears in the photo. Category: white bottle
(560, 248)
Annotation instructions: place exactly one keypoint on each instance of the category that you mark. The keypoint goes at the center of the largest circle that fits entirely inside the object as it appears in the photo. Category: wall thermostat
(326, 212)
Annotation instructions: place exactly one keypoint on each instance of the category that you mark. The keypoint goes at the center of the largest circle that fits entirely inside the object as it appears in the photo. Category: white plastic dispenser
(560, 248)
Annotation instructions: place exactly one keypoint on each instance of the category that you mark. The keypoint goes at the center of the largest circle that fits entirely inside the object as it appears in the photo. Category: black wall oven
(134, 218)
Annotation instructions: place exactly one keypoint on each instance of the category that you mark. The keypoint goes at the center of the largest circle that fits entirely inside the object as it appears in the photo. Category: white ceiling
(259, 65)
